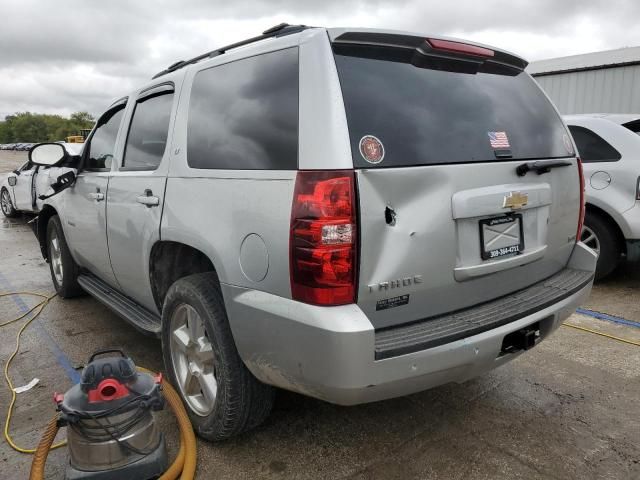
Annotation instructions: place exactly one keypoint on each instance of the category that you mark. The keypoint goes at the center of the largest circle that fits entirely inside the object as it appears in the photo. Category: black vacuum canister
(111, 430)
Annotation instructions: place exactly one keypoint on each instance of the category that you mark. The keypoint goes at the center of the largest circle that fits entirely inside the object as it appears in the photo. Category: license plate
(500, 236)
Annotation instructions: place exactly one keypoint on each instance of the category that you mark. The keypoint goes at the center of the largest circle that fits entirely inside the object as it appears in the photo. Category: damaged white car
(20, 189)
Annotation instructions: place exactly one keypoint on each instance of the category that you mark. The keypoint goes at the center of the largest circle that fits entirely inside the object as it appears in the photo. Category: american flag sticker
(498, 140)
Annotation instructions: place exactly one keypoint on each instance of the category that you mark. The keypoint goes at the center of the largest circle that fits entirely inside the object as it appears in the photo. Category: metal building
(600, 82)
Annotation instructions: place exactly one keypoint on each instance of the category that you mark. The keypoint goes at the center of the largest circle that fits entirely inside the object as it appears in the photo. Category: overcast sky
(62, 56)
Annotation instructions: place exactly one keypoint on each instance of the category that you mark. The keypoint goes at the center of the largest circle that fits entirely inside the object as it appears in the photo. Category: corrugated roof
(587, 61)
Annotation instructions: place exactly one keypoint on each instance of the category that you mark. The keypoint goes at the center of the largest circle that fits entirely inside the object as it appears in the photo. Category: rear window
(426, 116)
(244, 114)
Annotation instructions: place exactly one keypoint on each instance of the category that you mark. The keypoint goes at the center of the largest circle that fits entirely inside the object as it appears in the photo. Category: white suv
(609, 146)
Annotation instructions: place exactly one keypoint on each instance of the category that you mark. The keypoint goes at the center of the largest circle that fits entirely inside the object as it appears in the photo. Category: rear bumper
(329, 352)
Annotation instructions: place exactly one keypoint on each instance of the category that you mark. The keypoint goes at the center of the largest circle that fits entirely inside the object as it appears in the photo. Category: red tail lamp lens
(323, 239)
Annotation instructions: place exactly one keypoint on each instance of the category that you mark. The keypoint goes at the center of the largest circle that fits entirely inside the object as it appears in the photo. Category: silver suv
(349, 214)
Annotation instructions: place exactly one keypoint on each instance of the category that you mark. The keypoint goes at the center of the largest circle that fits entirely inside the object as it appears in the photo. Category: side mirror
(12, 181)
(47, 154)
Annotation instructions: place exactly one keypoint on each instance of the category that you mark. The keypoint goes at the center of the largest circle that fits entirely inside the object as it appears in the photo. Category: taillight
(638, 189)
(459, 47)
(323, 256)
(582, 200)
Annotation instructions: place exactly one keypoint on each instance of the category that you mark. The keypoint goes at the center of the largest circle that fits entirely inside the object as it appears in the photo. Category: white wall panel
(608, 90)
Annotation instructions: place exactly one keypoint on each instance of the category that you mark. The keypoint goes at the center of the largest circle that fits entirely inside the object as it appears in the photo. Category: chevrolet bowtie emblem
(515, 200)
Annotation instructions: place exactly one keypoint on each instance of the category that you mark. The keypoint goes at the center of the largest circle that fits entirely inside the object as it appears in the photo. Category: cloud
(63, 56)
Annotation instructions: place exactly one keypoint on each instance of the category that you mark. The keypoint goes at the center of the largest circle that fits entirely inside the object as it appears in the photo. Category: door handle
(148, 199)
(97, 196)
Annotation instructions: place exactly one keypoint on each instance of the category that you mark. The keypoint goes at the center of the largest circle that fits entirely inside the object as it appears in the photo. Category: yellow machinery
(84, 133)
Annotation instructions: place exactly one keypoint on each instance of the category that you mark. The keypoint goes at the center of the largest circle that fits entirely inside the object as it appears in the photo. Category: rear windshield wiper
(541, 167)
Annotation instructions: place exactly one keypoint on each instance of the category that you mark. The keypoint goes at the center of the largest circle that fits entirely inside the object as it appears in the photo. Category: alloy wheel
(590, 239)
(5, 203)
(55, 255)
(193, 359)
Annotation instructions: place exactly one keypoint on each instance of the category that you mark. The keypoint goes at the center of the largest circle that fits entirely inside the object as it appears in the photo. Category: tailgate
(442, 139)
(429, 261)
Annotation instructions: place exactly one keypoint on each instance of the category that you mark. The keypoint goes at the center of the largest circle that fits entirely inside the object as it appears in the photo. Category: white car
(18, 189)
(609, 146)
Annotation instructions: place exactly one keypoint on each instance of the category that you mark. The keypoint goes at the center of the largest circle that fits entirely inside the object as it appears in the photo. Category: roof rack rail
(275, 31)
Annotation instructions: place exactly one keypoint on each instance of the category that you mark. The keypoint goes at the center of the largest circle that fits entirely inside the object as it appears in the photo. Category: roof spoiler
(433, 47)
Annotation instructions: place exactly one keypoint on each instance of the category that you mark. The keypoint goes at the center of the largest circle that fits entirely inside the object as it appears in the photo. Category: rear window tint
(244, 114)
(592, 147)
(425, 116)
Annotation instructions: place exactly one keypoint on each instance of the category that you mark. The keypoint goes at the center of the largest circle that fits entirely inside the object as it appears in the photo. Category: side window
(100, 150)
(592, 147)
(147, 138)
(244, 114)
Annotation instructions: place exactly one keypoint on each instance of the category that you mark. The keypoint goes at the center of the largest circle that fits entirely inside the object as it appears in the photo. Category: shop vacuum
(111, 431)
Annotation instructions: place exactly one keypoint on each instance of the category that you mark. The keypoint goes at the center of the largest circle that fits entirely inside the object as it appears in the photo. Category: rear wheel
(6, 205)
(599, 235)
(222, 397)
(64, 271)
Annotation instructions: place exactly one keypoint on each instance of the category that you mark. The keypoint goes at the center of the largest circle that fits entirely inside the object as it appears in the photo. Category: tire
(194, 309)
(64, 271)
(600, 235)
(6, 205)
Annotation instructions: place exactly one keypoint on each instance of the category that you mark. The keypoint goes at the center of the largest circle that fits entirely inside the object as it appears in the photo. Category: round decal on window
(567, 144)
(371, 149)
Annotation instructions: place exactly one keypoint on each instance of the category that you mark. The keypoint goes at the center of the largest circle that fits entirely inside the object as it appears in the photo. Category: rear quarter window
(592, 147)
(243, 115)
(425, 115)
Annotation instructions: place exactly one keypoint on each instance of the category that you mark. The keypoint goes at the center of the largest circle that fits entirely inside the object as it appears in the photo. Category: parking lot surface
(568, 409)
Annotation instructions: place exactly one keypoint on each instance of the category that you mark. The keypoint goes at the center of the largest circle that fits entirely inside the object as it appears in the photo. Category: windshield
(438, 114)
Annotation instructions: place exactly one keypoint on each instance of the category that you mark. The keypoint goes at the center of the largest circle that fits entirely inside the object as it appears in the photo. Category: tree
(83, 118)
(38, 127)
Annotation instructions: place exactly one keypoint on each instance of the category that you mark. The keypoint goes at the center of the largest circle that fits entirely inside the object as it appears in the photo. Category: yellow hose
(186, 460)
(174, 470)
(7, 424)
(40, 456)
(183, 467)
(606, 335)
